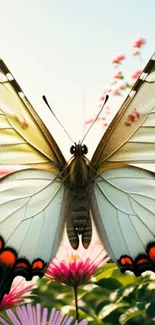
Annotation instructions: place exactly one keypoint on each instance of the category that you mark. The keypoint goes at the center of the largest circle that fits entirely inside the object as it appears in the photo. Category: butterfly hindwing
(31, 221)
(125, 205)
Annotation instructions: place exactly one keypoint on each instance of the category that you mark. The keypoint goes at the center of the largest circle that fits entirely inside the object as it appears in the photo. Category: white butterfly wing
(124, 213)
(31, 221)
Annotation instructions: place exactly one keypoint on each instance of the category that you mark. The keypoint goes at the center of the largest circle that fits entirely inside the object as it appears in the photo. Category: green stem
(75, 291)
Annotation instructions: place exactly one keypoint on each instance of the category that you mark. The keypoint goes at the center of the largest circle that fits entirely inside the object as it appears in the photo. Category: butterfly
(116, 188)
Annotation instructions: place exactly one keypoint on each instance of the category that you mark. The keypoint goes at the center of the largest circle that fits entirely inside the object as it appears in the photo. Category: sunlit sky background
(63, 48)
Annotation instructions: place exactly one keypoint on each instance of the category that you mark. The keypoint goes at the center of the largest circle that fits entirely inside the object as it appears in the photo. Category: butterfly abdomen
(78, 220)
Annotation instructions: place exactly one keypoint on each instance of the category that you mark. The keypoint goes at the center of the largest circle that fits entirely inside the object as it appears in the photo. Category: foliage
(109, 298)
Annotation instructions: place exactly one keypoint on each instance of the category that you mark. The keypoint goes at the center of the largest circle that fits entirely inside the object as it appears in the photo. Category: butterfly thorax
(78, 168)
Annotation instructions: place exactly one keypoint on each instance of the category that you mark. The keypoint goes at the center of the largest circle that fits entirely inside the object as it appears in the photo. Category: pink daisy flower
(75, 268)
(28, 315)
(19, 293)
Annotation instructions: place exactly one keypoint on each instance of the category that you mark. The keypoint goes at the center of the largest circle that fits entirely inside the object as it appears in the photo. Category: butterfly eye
(84, 149)
(72, 150)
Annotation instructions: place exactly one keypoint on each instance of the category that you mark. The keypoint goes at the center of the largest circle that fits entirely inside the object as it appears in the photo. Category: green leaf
(141, 306)
(106, 272)
(131, 313)
(108, 309)
(101, 305)
(150, 311)
(109, 283)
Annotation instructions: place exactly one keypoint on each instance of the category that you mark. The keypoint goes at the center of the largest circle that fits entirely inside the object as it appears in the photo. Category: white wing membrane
(31, 219)
(125, 207)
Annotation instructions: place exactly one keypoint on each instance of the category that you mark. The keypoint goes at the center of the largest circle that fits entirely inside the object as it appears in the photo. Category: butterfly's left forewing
(123, 200)
(24, 138)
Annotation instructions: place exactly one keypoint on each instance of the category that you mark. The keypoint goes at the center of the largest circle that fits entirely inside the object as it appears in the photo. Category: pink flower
(28, 315)
(75, 268)
(102, 98)
(135, 53)
(132, 117)
(19, 292)
(118, 75)
(139, 42)
(136, 74)
(118, 59)
(91, 120)
(116, 92)
(113, 82)
(123, 86)
(108, 90)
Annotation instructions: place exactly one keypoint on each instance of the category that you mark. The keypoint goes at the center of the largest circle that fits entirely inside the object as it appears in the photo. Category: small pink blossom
(116, 92)
(75, 268)
(113, 82)
(132, 117)
(108, 90)
(118, 59)
(91, 120)
(118, 75)
(135, 53)
(136, 74)
(123, 86)
(102, 98)
(139, 42)
(19, 292)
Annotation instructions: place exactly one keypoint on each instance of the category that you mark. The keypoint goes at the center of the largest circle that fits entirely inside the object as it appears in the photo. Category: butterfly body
(78, 220)
(42, 193)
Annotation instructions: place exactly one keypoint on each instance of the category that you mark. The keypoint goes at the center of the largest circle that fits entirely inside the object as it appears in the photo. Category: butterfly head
(79, 150)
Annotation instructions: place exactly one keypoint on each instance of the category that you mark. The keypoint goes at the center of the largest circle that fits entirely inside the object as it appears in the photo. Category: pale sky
(63, 49)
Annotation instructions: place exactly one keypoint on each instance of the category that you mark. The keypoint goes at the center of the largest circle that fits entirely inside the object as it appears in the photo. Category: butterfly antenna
(46, 102)
(106, 98)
